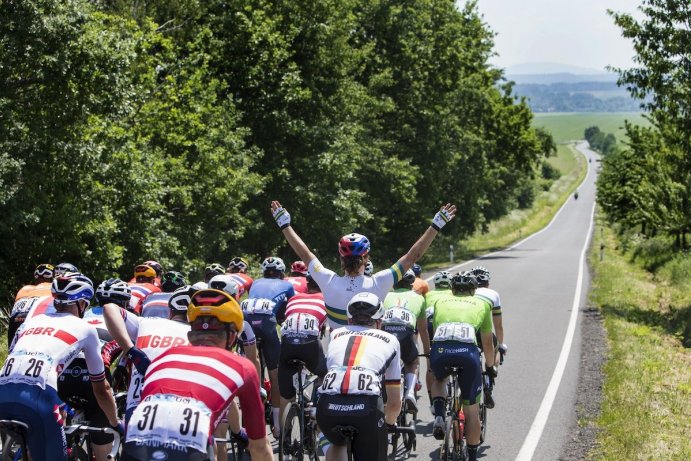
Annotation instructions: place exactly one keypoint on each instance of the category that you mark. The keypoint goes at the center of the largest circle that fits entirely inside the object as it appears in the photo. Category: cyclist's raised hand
(443, 216)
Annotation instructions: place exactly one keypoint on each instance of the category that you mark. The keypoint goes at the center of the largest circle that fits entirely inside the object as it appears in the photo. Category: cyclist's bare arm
(106, 401)
(294, 239)
(393, 402)
(487, 346)
(116, 326)
(424, 334)
(252, 355)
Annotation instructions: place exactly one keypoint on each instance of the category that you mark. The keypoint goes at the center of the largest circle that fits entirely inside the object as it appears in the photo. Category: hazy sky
(575, 32)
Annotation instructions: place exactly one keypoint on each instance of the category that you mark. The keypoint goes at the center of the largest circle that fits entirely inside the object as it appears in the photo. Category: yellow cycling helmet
(218, 304)
(143, 270)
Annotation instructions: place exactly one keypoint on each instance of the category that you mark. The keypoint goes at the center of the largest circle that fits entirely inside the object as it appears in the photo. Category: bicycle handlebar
(98, 430)
(400, 430)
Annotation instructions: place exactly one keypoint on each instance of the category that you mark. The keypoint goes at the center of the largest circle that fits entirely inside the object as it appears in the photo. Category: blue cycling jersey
(276, 290)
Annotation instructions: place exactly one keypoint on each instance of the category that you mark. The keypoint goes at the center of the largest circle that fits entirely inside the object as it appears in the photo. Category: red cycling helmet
(353, 245)
(299, 267)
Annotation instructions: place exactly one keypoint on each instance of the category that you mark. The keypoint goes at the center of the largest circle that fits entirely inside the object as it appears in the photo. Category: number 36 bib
(462, 332)
(399, 316)
(170, 420)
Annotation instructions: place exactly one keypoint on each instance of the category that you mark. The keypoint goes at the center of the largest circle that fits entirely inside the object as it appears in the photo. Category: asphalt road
(538, 280)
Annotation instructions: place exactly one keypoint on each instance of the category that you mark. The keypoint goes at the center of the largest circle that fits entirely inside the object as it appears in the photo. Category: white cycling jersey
(154, 336)
(489, 295)
(46, 344)
(359, 358)
(338, 290)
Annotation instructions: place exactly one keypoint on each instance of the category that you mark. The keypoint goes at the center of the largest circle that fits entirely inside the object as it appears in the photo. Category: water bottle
(461, 423)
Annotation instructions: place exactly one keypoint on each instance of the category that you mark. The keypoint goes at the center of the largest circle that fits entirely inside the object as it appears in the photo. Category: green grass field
(571, 126)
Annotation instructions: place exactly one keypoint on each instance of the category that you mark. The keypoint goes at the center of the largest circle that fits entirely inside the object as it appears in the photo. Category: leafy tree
(661, 79)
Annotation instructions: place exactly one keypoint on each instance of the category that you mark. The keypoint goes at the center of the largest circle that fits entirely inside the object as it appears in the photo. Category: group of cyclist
(174, 348)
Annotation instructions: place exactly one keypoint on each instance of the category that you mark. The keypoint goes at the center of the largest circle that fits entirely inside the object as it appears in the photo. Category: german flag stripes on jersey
(359, 359)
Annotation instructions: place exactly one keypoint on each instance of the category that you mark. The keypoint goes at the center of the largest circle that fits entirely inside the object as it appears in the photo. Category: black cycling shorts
(309, 351)
(406, 337)
(445, 354)
(264, 327)
(74, 388)
(363, 412)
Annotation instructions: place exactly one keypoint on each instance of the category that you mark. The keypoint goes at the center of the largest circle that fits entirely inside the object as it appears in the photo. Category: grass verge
(646, 409)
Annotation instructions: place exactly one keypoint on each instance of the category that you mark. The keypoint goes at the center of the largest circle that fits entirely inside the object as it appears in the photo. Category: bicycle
(404, 420)
(14, 440)
(262, 381)
(236, 451)
(303, 441)
(454, 447)
(79, 435)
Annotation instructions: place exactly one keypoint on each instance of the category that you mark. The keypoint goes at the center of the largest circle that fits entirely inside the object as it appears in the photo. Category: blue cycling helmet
(353, 245)
(417, 269)
(70, 287)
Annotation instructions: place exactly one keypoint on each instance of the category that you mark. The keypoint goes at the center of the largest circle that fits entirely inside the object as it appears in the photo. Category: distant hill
(553, 87)
(536, 68)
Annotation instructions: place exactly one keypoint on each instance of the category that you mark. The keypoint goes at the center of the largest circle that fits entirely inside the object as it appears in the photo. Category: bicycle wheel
(406, 420)
(292, 434)
(446, 451)
(483, 419)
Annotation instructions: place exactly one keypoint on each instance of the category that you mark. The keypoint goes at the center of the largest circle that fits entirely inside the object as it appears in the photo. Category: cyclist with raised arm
(238, 267)
(145, 338)
(264, 308)
(457, 318)
(354, 251)
(404, 316)
(189, 388)
(363, 361)
(43, 347)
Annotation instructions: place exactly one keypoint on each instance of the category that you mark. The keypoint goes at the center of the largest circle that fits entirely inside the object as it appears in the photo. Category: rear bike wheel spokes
(292, 434)
(11, 449)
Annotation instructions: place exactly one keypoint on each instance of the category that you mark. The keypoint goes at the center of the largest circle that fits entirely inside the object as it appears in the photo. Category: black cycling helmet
(172, 280)
(63, 268)
(464, 282)
(365, 307)
(113, 291)
(44, 271)
(180, 300)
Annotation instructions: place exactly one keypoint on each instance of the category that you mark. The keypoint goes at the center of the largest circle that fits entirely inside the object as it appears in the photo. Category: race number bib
(301, 325)
(351, 381)
(462, 332)
(22, 307)
(23, 367)
(399, 316)
(170, 420)
(258, 306)
(134, 391)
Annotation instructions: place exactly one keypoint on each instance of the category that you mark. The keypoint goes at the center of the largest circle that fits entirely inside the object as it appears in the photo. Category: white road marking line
(535, 432)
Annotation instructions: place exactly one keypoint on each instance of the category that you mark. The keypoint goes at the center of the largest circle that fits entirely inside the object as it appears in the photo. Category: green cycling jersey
(463, 310)
(400, 300)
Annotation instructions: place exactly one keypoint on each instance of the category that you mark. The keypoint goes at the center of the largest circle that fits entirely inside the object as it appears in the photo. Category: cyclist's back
(361, 360)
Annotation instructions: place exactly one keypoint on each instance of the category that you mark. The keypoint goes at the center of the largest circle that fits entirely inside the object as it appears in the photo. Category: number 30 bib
(166, 420)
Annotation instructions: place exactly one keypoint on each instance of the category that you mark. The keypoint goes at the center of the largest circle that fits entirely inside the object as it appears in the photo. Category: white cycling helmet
(442, 279)
(365, 305)
(180, 299)
(225, 282)
(369, 268)
(113, 290)
(273, 263)
(70, 287)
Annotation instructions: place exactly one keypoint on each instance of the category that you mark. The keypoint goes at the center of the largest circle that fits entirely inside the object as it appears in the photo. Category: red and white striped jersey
(305, 315)
(139, 292)
(213, 377)
(46, 344)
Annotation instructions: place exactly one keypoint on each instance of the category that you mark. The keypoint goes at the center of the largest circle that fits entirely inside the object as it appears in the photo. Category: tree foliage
(162, 129)
(661, 156)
